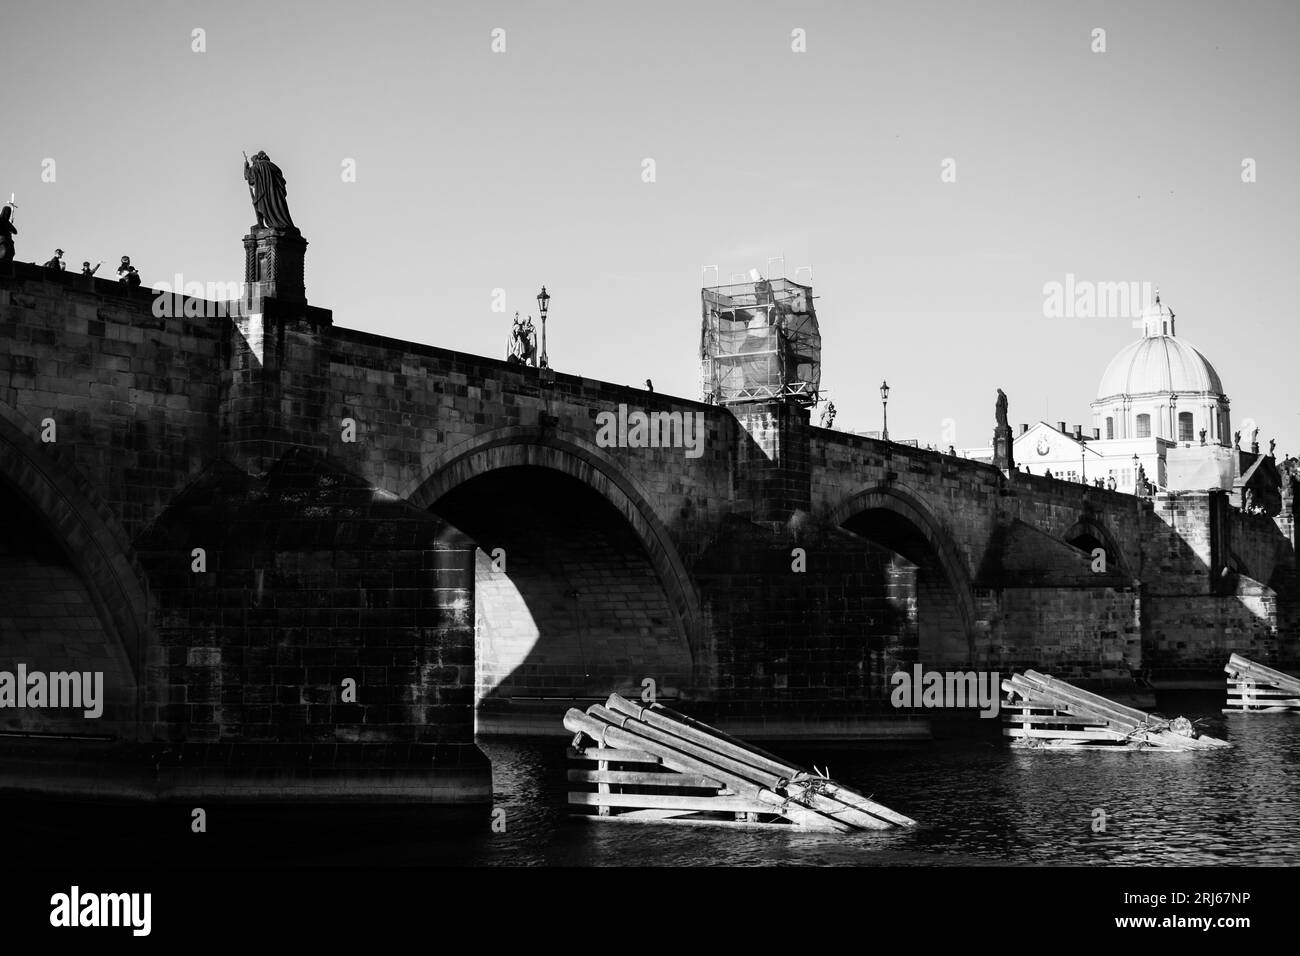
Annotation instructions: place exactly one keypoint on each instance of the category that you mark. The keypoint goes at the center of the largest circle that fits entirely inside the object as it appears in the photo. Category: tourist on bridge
(87, 271)
(57, 262)
(127, 275)
(7, 232)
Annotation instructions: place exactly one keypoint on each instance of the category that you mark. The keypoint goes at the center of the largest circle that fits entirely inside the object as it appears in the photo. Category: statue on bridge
(266, 186)
(523, 342)
(1003, 451)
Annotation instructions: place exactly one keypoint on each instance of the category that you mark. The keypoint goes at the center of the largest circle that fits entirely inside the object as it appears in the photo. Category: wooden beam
(668, 801)
(641, 778)
(613, 755)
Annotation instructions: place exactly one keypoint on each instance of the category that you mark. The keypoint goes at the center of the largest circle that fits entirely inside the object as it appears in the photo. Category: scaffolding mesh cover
(760, 340)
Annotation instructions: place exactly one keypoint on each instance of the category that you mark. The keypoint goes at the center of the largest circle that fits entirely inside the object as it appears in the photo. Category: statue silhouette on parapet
(266, 186)
(1004, 456)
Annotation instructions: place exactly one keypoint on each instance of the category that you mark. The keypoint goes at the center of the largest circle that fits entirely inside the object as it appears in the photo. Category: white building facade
(1160, 411)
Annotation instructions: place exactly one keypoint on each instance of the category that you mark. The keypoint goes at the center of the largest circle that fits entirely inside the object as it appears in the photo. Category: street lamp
(543, 303)
(884, 408)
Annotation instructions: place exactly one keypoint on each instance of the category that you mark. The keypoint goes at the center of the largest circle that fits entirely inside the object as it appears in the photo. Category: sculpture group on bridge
(522, 349)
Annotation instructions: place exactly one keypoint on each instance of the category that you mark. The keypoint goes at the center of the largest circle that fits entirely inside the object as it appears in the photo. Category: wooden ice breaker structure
(652, 764)
(1043, 712)
(1254, 688)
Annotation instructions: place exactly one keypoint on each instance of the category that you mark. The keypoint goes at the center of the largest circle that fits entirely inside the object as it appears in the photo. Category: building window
(1110, 428)
(1184, 426)
(1144, 426)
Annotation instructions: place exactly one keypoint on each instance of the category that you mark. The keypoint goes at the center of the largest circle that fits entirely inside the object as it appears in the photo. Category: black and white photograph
(782, 462)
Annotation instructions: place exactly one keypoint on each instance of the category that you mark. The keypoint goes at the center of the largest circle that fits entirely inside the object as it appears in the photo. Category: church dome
(1158, 362)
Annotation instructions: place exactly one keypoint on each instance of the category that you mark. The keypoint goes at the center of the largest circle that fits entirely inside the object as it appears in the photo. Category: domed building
(1160, 414)
(1161, 387)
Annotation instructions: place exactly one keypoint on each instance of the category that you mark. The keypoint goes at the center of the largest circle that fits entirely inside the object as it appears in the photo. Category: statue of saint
(523, 342)
(266, 184)
(1001, 409)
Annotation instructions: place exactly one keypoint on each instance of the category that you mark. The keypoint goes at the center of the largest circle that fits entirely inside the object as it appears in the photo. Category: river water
(976, 802)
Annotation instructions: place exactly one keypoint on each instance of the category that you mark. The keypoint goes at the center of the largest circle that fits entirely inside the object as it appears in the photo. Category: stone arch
(571, 456)
(95, 544)
(1089, 529)
(910, 512)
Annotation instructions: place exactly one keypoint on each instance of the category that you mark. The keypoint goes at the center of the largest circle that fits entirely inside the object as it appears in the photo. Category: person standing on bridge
(127, 275)
(57, 262)
(7, 232)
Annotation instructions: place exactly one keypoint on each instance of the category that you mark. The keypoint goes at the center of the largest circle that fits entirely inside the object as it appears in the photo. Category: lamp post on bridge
(543, 303)
(884, 409)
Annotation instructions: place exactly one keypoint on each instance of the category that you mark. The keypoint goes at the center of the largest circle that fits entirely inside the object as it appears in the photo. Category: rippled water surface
(975, 801)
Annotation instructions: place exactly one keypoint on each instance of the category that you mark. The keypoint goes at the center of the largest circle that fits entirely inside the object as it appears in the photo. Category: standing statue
(828, 415)
(266, 186)
(7, 233)
(1001, 409)
(1236, 440)
(1202, 436)
(1272, 443)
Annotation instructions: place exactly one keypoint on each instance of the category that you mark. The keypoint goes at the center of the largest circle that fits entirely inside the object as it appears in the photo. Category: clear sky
(478, 170)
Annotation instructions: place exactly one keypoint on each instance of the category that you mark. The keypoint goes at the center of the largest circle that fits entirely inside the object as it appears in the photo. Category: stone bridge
(307, 559)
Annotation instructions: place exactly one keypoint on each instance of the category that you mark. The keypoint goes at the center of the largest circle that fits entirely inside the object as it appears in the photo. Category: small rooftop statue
(1001, 409)
(266, 186)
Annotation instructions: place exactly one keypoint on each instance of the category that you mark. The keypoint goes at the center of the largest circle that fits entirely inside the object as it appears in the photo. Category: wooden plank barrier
(1042, 712)
(1254, 688)
(655, 765)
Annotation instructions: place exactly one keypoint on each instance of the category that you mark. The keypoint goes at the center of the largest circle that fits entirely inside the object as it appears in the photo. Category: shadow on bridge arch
(945, 609)
(593, 596)
(70, 595)
(1088, 534)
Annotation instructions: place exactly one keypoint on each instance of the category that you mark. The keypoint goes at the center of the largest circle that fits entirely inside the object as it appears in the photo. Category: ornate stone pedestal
(1003, 454)
(273, 265)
